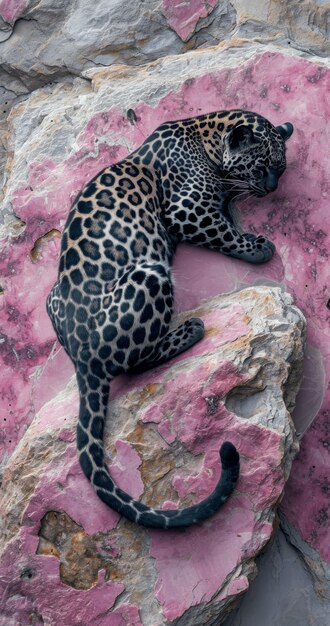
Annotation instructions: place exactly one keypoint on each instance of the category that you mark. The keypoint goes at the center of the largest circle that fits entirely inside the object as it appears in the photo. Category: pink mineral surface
(183, 16)
(295, 218)
(186, 572)
(11, 10)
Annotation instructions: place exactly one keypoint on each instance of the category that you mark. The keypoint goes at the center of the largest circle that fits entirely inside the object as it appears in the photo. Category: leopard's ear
(285, 130)
(241, 136)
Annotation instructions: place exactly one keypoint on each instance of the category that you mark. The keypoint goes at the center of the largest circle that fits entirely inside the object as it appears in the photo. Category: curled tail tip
(228, 455)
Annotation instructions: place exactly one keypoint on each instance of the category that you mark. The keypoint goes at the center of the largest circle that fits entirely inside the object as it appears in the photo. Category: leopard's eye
(260, 172)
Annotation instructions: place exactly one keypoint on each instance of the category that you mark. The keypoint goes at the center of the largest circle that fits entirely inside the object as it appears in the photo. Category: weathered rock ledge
(64, 553)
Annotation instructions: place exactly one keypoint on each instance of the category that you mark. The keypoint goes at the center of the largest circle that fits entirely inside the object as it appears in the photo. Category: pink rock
(227, 387)
(311, 476)
(184, 16)
(10, 10)
(95, 131)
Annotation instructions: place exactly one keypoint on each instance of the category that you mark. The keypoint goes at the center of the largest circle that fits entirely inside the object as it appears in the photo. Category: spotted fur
(112, 304)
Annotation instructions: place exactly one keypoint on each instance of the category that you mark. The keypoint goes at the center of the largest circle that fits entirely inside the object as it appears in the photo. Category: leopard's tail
(92, 414)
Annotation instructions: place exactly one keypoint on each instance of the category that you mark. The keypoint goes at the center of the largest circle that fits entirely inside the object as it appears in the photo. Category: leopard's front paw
(258, 248)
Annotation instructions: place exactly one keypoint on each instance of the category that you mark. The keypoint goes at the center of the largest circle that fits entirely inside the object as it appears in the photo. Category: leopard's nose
(271, 181)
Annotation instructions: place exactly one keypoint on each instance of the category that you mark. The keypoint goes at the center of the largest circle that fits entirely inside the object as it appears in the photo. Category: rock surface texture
(42, 41)
(88, 83)
(81, 562)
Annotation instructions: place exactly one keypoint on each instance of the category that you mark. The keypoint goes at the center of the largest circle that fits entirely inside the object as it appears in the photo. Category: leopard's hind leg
(174, 343)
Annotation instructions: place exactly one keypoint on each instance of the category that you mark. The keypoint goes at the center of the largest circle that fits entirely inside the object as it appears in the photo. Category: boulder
(43, 42)
(59, 136)
(65, 554)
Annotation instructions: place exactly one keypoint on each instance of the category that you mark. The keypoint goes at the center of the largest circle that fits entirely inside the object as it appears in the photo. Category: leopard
(113, 302)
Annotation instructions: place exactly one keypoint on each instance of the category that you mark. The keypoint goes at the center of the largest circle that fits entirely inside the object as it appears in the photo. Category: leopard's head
(254, 153)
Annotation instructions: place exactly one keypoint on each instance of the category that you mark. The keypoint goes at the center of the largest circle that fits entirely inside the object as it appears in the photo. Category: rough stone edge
(156, 79)
(318, 569)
